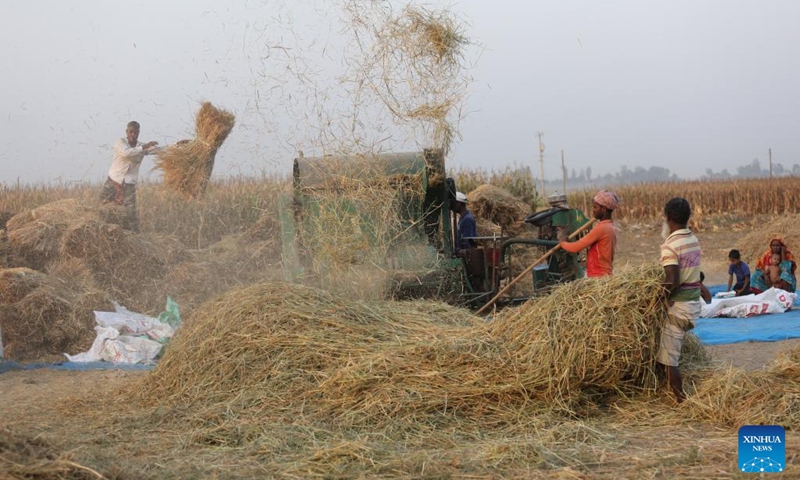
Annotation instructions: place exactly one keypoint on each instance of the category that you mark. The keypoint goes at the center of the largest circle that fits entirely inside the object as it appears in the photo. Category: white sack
(773, 300)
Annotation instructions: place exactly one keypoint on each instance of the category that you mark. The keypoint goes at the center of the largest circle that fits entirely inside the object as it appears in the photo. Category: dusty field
(641, 439)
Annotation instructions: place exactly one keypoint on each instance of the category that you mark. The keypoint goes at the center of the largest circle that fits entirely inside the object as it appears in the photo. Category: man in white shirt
(120, 188)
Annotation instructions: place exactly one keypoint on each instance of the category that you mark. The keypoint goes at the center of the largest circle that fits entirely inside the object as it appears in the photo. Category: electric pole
(770, 163)
(541, 167)
(564, 173)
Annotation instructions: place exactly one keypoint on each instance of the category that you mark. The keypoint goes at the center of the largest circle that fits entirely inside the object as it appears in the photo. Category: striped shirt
(683, 249)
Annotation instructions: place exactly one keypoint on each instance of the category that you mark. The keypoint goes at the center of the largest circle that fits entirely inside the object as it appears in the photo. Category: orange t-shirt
(601, 240)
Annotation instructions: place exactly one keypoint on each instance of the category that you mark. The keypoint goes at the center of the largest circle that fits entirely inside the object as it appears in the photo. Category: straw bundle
(187, 167)
(589, 337)
(499, 207)
(756, 243)
(44, 315)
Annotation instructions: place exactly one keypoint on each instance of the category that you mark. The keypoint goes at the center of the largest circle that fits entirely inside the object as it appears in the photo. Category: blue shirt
(741, 271)
(466, 228)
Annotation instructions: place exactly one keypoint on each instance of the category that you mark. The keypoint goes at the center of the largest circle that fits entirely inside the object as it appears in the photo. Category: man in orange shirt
(601, 239)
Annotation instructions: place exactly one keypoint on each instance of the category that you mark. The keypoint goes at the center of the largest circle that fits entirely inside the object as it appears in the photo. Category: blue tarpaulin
(761, 328)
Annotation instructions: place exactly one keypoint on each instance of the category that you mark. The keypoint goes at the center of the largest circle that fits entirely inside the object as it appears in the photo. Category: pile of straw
(35, 235)
(590, 337)
(273, 349)
(499, 207)
(187, 167)
(128, 267)
(43, 316)
(271, 344)
(568, 351)
(756, 243)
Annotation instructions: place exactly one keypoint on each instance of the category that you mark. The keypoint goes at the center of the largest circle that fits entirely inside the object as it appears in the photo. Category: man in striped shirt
(680, 257)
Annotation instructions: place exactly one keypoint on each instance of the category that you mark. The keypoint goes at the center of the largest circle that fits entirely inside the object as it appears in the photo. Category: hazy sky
(686, 85)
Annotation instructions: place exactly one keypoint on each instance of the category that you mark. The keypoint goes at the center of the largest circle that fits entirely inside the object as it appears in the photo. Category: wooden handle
(537, 262)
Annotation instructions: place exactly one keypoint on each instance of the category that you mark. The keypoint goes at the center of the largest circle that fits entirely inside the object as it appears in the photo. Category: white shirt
(125, 166)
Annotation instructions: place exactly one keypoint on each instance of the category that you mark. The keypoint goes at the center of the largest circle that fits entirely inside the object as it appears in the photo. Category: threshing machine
(343, 200)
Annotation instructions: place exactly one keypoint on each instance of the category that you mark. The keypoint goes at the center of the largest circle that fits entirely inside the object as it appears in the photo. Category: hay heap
(35, 235)
(567, 351)
(756, 243)
(590, 337)
(270, 344)
(43, 316)
(127, 266)
(274, 348)
(499, 207)
(187, 167)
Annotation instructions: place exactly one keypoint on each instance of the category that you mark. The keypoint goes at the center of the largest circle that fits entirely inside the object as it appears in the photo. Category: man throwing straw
(602, 239)
(120, 187)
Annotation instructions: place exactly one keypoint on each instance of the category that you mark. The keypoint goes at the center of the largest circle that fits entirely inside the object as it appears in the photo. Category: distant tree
(751, 170)
(589, 173)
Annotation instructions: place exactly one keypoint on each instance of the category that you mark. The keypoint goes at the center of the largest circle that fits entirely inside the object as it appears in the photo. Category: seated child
(773, 272)
(741, 271)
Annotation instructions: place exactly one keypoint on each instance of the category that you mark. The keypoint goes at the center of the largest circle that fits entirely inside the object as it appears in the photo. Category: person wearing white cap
(467, 227)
